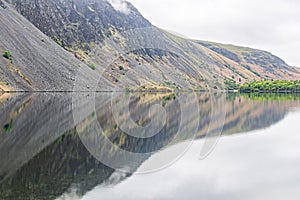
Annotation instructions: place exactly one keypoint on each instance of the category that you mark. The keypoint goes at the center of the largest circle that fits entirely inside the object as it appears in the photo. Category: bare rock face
(77, 23)
(2, 5)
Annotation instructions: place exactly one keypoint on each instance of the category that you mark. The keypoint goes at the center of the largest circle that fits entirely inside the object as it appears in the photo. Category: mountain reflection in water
(43, 157)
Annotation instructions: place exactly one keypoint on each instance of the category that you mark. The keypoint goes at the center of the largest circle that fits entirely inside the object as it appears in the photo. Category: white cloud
(120, 5)
(273, 25)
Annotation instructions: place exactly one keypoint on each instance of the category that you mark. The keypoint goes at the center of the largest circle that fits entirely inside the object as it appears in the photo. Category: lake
(90, 146)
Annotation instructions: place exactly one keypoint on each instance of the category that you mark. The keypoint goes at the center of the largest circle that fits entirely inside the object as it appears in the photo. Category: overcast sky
(272, 25)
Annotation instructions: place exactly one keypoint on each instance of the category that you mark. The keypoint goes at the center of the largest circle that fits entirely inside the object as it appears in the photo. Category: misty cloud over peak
(120, 5)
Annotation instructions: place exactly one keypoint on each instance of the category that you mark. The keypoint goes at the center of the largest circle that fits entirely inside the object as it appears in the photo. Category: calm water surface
(55, 146)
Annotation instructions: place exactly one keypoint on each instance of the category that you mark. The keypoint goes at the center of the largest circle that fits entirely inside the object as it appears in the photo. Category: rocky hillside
(36, 62)
(72, 45)
(262, 64)
(79, 23)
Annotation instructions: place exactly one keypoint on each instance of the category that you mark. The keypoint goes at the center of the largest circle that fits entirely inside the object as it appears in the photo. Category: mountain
(84, 45)
(78, 23)
(262, 64)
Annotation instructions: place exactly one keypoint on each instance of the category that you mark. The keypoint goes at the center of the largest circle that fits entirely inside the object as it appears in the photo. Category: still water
(149, 146)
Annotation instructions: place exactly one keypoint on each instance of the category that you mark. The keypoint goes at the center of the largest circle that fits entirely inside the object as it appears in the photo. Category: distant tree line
(271, 86)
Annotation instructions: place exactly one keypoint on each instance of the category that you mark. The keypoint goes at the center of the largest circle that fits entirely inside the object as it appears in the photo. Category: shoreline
(270, 92)
(4, 90)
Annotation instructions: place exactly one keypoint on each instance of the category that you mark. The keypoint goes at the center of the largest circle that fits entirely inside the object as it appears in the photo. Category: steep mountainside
(37, 62)
(116, 48)
(78, 23)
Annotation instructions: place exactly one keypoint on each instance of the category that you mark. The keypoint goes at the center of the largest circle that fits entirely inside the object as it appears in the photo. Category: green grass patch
(7, 54)
(8, 127)
(91, 65)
